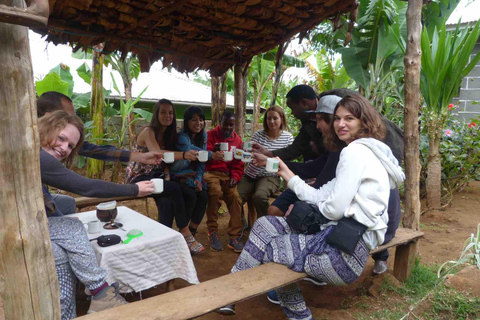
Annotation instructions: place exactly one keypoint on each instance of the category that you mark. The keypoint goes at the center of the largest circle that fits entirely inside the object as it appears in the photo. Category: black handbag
(108, 240)
(305, 218)
(346, 234)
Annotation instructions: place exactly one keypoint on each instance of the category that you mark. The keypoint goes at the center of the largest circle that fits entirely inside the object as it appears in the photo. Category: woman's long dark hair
(199, 139)
(170, 134)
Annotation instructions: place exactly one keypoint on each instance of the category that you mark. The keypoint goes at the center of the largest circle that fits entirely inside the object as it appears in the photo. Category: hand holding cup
(259, 159)
(190, 155)
(145, 188)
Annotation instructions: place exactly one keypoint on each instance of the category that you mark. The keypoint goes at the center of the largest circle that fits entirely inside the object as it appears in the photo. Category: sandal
(194, 246)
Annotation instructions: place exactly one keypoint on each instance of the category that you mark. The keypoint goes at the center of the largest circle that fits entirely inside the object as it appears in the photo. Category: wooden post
(28, 279)
(219, 97)
(223, 95)
(240, 101)
(215, 86)
(411, 218)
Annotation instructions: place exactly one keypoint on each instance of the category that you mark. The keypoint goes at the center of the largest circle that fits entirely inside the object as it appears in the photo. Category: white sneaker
(380, 267)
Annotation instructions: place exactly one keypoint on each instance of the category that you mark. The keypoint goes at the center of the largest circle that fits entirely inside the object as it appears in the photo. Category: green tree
(445, 61)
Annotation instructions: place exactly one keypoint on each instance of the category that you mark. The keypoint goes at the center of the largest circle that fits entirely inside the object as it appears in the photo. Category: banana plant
(446, 60)
(126, 111)
(377, 37)
(58, 79)
(325, 74)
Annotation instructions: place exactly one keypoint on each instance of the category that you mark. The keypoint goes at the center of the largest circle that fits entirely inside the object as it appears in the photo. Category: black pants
(195, 202)
(170, 203)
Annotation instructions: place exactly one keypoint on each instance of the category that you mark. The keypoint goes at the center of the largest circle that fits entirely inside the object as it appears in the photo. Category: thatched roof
(189, 34)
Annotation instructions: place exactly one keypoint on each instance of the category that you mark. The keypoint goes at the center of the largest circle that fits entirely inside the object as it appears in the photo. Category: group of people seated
(351, 171)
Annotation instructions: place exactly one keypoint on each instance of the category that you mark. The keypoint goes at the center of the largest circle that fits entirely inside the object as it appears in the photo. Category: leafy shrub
(460, 151)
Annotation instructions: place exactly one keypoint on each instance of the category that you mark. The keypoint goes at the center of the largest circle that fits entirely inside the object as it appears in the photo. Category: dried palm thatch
(189, 34)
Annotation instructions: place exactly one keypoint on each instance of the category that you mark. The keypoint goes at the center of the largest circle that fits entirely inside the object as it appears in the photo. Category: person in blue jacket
(188, 173)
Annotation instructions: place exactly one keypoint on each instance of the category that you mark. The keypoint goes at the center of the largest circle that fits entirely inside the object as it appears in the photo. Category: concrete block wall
(468, 100)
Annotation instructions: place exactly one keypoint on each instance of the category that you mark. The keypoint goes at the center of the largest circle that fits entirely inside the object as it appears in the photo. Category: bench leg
(404, 259)
(170, 285)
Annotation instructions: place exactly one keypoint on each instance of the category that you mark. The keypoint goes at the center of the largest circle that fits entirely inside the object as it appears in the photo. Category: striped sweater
(284, 140)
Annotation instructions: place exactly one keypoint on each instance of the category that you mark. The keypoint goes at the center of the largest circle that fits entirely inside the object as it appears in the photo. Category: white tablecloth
(159, 255)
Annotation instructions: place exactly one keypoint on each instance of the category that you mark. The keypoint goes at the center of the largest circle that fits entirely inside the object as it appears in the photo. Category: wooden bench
(197, 300)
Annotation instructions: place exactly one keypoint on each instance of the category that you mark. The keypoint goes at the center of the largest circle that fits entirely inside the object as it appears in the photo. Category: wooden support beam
(240, 98)
(28, 277)
(35, 15)
(411, 217)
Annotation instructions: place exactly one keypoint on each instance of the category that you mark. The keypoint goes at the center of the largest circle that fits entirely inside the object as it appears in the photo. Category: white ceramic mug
(168, 157)
(227, 156)
(246, 157)
(272, 165)
(157, 185)
(202, 156)
(93, 226)
(247, 146)
(238, 154)
(223, 146)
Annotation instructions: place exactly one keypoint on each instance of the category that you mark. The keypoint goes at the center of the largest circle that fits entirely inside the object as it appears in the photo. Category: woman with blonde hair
(257, 183)
(61, 135)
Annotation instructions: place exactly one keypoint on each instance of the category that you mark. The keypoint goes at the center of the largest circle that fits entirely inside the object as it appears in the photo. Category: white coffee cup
(94, 226)
(223, 146)
(247, 146)
(246, 157)
(238, 154)
(272, 165)
(202, 156)
(168, 157)
(157, 185)
(227, 156)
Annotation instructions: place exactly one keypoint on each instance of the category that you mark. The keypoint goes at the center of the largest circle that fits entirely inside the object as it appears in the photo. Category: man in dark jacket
(309, 141)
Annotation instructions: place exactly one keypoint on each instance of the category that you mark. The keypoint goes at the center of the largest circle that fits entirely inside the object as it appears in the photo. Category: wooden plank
(203, 298)
(82, 202)
(403, 236)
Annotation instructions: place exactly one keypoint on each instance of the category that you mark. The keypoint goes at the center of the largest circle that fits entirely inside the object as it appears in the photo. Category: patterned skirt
(272, 240)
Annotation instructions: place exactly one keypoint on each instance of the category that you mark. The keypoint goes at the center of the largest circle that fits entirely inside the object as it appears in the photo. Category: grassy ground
(422, 296)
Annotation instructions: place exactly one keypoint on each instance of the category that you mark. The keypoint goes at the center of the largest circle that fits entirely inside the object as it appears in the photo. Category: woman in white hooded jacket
(365, 173)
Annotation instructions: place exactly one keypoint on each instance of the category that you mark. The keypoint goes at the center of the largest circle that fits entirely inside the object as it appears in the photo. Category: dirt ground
(445, 232)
